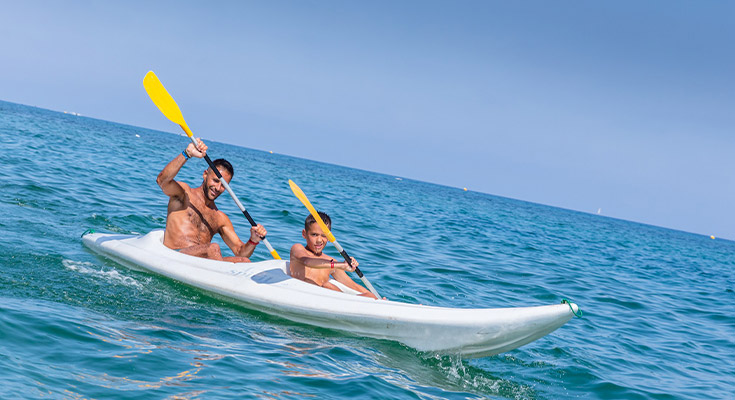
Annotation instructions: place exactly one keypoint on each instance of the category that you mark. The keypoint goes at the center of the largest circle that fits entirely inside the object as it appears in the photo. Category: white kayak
(266, 286)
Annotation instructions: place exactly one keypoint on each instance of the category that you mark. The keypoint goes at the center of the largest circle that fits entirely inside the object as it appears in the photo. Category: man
(310, 264)
(193, 218)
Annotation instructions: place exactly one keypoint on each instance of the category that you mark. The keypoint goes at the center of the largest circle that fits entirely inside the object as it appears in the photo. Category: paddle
(300, 194)
(168, 107)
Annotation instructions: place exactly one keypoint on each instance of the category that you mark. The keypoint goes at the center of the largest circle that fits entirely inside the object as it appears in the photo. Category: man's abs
(185, 228)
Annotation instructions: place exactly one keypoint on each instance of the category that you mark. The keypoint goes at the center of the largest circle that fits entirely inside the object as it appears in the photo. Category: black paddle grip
(349, 262)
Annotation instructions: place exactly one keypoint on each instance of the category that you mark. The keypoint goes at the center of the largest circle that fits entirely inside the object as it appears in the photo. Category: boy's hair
(221, 162)
(311, 220)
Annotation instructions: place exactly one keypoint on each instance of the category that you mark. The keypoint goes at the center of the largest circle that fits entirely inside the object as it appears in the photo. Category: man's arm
(165, 178)
(238, 247)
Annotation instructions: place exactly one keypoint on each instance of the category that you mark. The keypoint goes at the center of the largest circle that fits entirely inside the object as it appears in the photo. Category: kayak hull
(266, 286)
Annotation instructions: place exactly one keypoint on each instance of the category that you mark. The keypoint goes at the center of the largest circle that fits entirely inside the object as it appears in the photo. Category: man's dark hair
(310, 220)
(221, 162)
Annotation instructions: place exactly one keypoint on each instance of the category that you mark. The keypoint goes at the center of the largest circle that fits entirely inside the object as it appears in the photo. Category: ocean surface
(659, 304)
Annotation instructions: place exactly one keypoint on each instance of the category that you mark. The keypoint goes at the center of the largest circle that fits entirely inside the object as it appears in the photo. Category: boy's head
(311, 220)
(315, 237)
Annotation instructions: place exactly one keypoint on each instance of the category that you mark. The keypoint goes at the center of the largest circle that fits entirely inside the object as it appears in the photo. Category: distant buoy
(271, 151)
(712, 237)
(465, 189)
(136, 135)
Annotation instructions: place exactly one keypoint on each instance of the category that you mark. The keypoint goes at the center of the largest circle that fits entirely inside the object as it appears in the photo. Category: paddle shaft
(237, 201)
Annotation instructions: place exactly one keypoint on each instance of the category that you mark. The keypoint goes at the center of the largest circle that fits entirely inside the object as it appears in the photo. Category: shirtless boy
(193, 218)
(310, 264)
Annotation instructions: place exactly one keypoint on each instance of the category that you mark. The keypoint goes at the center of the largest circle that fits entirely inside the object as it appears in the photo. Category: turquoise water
(659, 304)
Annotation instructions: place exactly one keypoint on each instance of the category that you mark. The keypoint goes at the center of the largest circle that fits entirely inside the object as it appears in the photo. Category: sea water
(659, 306)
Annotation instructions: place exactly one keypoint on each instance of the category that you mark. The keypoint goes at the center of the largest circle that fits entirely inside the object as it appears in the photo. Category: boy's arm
(300, 254)
(343, 278)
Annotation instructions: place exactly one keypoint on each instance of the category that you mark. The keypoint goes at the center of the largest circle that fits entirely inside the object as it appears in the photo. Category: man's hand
(257, 233)
(198, 151)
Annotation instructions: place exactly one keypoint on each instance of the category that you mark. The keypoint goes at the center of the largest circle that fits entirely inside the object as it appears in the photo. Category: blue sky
(626, 106)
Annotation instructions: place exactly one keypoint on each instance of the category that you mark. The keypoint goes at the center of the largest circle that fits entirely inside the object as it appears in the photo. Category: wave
(107, 274)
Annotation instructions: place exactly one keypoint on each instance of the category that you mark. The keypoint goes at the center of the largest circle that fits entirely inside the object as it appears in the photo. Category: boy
(310, 264)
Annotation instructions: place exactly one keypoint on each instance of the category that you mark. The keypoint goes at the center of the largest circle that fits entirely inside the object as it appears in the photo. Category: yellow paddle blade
(164, 101)
(300, 194)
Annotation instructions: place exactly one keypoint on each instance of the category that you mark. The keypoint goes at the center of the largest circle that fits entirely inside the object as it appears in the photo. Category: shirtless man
(193, 218)
(311, 265)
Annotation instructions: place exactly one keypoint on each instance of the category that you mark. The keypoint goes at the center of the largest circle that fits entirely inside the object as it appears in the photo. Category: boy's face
(316, 240)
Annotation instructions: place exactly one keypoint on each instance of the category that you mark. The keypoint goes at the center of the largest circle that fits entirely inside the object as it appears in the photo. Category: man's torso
(190, 221)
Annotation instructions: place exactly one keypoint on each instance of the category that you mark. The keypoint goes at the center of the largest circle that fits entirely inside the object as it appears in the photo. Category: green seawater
(659, 305)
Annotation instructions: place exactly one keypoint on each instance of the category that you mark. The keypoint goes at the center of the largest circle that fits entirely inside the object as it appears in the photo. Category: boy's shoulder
(297, 248)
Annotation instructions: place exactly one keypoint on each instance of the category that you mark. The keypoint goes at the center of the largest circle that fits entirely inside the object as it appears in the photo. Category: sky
(624, 106)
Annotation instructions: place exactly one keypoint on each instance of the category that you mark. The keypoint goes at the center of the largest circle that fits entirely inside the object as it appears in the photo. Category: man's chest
(204, 218)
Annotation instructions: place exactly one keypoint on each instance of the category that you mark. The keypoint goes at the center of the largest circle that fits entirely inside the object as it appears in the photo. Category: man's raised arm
(165, 178)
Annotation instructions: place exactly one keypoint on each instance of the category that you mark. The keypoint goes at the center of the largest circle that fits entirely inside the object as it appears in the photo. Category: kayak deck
(266, 286)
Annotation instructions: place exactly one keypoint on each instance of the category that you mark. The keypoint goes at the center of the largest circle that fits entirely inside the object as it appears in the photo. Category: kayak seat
(270, 276)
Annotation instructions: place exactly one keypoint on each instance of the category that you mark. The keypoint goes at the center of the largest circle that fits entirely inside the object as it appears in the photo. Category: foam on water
(109, 275)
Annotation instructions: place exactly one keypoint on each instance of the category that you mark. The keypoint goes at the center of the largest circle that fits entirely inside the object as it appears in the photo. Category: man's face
(316, 240)
(213, 187)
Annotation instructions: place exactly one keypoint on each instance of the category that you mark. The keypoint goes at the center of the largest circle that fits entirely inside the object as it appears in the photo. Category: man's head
(221, 163)
(211, 184)
(316, 239)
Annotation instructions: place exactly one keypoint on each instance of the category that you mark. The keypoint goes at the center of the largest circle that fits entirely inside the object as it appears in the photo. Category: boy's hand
(353, 267)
